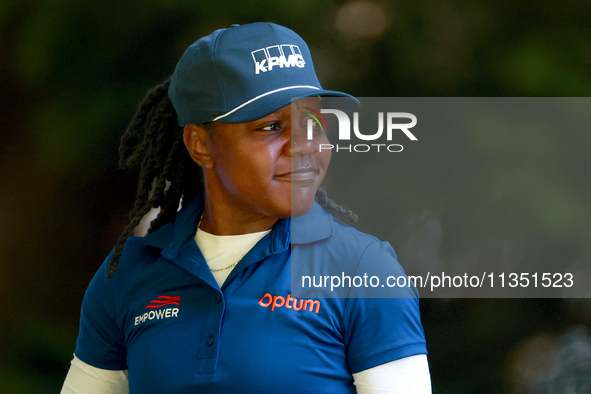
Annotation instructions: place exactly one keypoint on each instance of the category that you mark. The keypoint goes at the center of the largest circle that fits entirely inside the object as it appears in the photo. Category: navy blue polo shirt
(164, 318)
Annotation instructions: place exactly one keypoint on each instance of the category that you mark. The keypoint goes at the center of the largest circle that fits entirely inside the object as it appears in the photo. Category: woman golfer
(204, 302)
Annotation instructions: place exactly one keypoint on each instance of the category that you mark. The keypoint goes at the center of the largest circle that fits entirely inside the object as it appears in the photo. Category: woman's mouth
(299, 174)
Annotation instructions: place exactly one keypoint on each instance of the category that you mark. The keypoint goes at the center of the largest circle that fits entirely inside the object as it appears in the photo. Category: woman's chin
(301, 203)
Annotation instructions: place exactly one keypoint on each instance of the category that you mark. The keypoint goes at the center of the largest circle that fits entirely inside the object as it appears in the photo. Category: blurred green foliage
(72, 73)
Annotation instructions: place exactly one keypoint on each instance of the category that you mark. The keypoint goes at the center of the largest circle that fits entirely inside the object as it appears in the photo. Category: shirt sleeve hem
(100, 362)
(370, 361)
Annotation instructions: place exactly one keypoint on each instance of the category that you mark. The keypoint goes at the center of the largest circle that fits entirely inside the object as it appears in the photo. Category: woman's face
(267, 166)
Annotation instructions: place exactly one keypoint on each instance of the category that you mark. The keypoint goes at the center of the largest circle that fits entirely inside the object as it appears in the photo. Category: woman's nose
(300, 144)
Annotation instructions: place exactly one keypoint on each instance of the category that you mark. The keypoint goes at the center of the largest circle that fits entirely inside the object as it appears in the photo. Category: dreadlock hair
(154, 141)
(333, 207)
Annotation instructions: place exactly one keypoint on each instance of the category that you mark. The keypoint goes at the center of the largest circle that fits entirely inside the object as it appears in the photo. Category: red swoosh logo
(164, 300)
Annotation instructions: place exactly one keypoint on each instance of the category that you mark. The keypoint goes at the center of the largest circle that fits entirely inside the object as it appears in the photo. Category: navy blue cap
(243, 73)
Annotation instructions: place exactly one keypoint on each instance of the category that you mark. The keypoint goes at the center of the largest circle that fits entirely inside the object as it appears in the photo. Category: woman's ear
(195, 138)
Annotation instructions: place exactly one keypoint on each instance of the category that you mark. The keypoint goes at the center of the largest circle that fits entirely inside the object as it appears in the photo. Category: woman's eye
(271, 127)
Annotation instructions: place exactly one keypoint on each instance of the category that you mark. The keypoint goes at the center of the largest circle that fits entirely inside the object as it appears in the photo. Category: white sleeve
(86, 379)
(409, 375)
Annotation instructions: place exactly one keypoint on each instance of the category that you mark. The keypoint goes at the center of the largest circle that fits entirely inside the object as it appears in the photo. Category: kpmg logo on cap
(284, 55)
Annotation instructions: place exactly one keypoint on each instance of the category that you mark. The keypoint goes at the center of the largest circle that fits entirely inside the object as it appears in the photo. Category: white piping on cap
(260, 96)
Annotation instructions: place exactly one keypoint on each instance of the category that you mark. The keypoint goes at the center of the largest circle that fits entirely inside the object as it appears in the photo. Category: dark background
(73, 71)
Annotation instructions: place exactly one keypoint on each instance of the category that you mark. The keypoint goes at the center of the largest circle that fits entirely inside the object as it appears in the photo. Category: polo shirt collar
(172, 235)
(177, 241)
(314, 226)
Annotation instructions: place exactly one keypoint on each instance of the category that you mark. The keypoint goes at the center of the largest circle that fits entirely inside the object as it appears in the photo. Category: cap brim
(266, 105)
